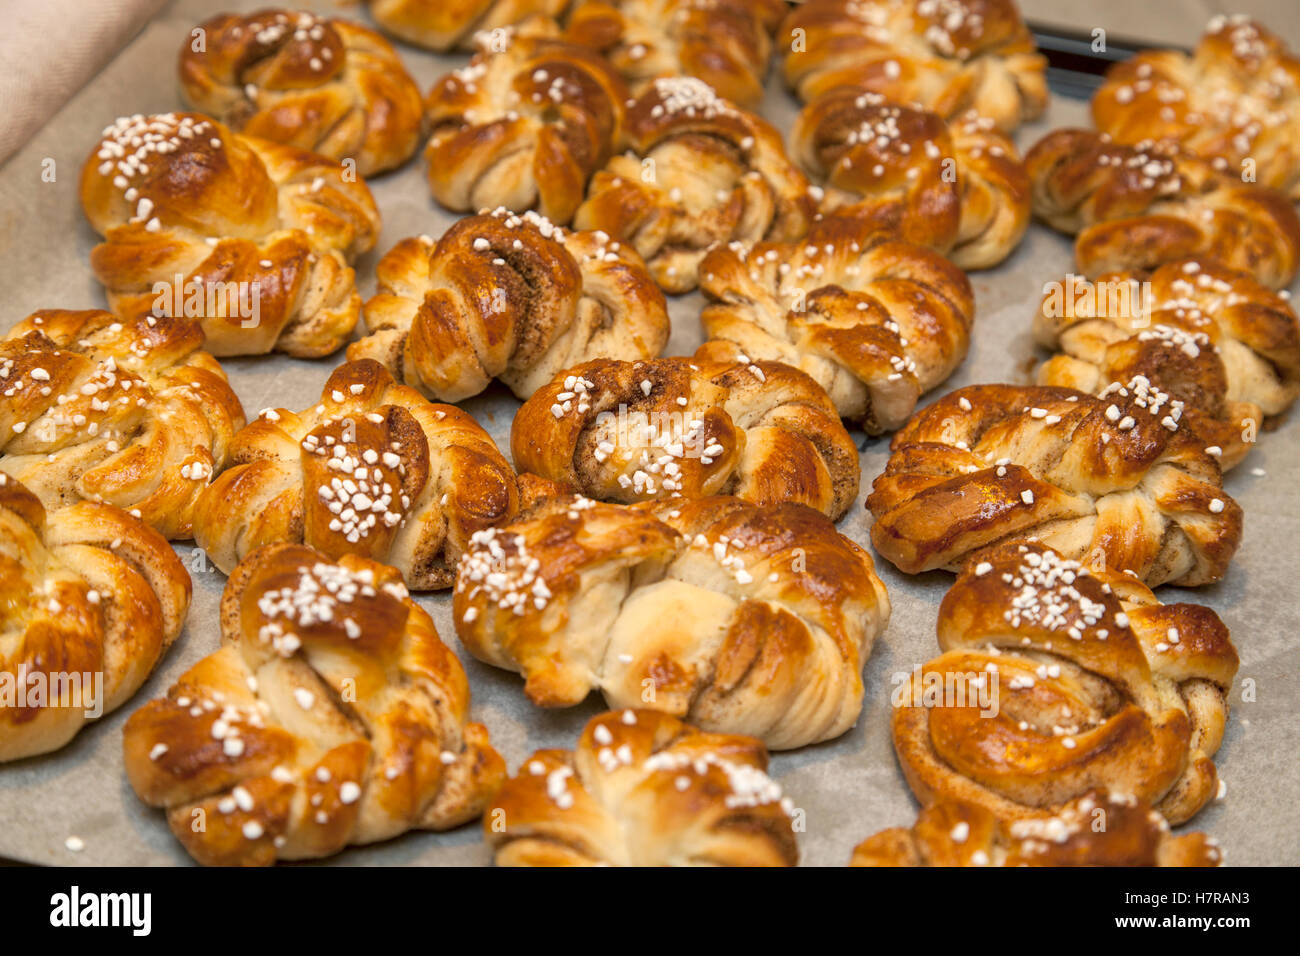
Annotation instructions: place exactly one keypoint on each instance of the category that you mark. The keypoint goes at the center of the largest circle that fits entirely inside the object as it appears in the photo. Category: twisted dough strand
(524, 125)
(1114, 481)
(1096, 829)
(443, 25)
(1236, 98)
(1134, 208)
(958, 187)
(1211, 337)
(87, 593)
(250, 237)
(373, 470)
(1096, 684)
(667, 428)
(949, 56)
(725, 43)
(735, 617)
(332, 715)
(129, 412)
(642, 788)
(508, 296)
(326, 85)
(876, 321)
(699, 171)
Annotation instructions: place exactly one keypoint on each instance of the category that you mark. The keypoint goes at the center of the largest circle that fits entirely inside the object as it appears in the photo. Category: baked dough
(958, 186)
(735, 617)
(875, 320)
(1115, 481)
(523, 125)
(698, 171)
(1056, 680)
(725, 43)
(509, 296)
(642, 788)
(129, 412)
(1134, 208)
(326, 85)
(252, 238)
(1217, 340)
(90, 600)
(332, 715)
(1235, 101)
(373, 469)
(1096, 829)
(949, 56)
(673, 427)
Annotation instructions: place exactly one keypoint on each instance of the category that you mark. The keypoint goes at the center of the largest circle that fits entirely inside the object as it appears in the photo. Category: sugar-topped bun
(260, 234)
(331, 716)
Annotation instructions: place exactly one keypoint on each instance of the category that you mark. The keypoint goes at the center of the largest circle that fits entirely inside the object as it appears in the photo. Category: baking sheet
(848, 788)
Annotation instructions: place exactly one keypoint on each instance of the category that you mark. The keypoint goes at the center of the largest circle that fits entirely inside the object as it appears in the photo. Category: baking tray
(849, 787)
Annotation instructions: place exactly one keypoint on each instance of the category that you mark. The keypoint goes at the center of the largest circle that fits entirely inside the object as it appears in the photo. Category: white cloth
(49, 49)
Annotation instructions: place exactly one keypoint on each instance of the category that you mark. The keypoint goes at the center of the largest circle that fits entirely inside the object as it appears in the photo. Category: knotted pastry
(876, 321)
(736, 617)
(92, 599)
(1134, 208)
(674, 427)
(700, 171)
(251, 237)
(958, 187)
(508, 296)
(1096, 829)
(1234, 102)
(332, 715)
(1082, 680)
(331, 86)
(950, 56)
(126, 411)
(642, 788)
(443, 25)
(373, 470)
(725, 43)
(523, 126)
(1113, 480)
(1211, 337)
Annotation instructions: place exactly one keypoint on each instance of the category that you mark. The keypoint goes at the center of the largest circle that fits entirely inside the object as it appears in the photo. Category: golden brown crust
(523, 126)
(252, 238)
(699, 171)
(90, 600)
(1082, 680)
(1235, 102)
(443, 25)
(949, 56)
(738, 618)
(642, 788)
(676, 427)
(508, 296)
(725, 43)
(1095, 829)
(372, 470)
(1134, 208)
(875, 320)
(1113, 480)
(126, 411)
(958, 187)
(330, 86)
(331, 716)
(1212, 337)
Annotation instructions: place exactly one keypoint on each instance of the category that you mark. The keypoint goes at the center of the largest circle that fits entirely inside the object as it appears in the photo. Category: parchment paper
(850, 787)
